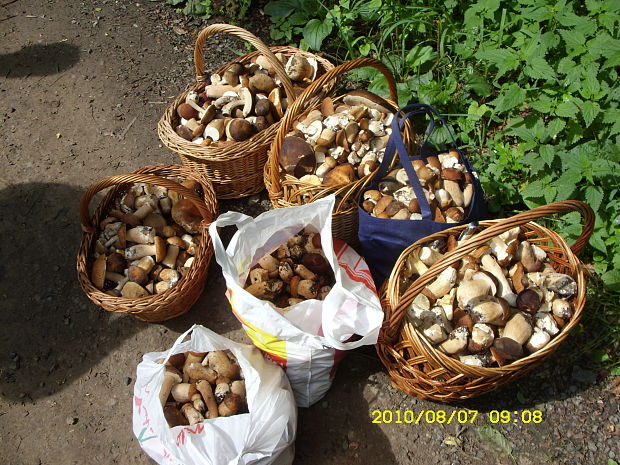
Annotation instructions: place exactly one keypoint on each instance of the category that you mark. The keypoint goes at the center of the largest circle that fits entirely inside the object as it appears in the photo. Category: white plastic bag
(263, 436)
(307, 338)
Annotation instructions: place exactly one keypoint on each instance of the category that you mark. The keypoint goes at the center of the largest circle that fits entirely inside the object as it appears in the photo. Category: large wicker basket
(416, 367)
(286, 190)
(176, 300)
(236, 170)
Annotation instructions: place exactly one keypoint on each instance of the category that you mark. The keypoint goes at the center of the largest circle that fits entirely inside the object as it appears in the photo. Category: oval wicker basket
(176, 300)
(286, 190)
(236, 170)
(416, 367)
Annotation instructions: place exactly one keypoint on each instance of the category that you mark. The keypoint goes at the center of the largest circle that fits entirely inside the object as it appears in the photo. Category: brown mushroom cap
(160, 249)
(508, 349)
(528, 300)
(116, 263)
(186, 111)
(184, 132)
(342, 174)
(97, 275)
(263, 107)
(186, 215)
(133, 290)
(239, 130)
(363, 97)
(137, 275)
(297, 156)
(315, 263)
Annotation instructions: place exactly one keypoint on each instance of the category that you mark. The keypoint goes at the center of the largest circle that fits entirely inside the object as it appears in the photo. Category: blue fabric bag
(383, 240)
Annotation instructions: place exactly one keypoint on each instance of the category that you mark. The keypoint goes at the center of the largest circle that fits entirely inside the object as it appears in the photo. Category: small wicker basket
(286, 190)
(176, 300)
(236, 170)
(416, 367)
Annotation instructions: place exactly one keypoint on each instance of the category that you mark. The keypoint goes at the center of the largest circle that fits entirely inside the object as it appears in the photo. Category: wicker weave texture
(416, 367)
(177, 300)
(235, 169)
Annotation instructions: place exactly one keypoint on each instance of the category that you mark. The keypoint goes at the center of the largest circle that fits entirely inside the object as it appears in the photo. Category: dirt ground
(82, 86)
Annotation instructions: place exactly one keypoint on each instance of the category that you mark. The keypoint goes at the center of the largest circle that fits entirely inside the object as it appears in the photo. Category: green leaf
(509, 98)
(589, 111)
(612, 279)
(615, 371)
(567, 109)
(594, 196)
(600, 356)
(547, 153)
(496, 440)
(417, 56)
(538, 68)
(597, 242)
(315, 31)
(503, 59)
(549, 193)
(281, 8)
(573, 39)
(521, 398)
(477, 84)
(543, 104)
(555, 126)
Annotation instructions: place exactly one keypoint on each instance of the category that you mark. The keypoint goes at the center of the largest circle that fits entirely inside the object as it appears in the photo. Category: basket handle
(394, 317)
(85, 219)
(248, 37)
(299, 106)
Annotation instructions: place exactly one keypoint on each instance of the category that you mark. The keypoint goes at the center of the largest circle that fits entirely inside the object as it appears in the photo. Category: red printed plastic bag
(264, 436)
(308, 338)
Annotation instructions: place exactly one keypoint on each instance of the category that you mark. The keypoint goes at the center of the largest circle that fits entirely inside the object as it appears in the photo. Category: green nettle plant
(204, 9)
(531, 85)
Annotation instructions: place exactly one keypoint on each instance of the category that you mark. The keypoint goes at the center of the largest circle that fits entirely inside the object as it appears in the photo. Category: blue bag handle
(396, 144)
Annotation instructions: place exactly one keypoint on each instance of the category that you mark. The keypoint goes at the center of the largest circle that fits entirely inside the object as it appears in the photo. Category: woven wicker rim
(165, 127)
(152, 307)
(286, 190)
(397, 305)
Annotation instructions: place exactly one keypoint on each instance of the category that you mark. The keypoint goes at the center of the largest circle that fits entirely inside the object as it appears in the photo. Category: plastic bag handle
(177, 343)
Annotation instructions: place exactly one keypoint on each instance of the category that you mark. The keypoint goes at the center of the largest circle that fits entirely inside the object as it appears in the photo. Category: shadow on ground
(39, 60)
(51, 334)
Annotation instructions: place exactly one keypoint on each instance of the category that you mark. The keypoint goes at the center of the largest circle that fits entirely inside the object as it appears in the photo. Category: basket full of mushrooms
(222, 126)
(470, 308)
(331, 147)
(146, 249)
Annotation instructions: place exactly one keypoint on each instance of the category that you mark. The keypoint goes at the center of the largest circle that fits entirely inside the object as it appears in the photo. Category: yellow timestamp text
(455, 416)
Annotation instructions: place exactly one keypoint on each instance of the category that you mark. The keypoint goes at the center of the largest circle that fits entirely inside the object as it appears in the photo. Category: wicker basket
(416, 367)
(286, 190)
(176, 300)
(236, 170)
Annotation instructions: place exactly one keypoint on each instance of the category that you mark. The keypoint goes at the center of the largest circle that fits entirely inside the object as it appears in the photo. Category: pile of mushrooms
(243, 101)
(202, 385)
(296, 271)
(446, 184)
(340, 142)
(499, 304)
(147, 242)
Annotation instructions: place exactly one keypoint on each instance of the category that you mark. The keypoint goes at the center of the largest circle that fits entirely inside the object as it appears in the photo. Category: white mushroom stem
(415, 265)
(443, 283)
(518, 328)
(538, 340)
(136, 252)
(141, 235)
(171, 256)
(504, 290)
(429, 256)
(205, 389)
(144, 210)
(193, 416)
(268, 263)
(545, 322)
